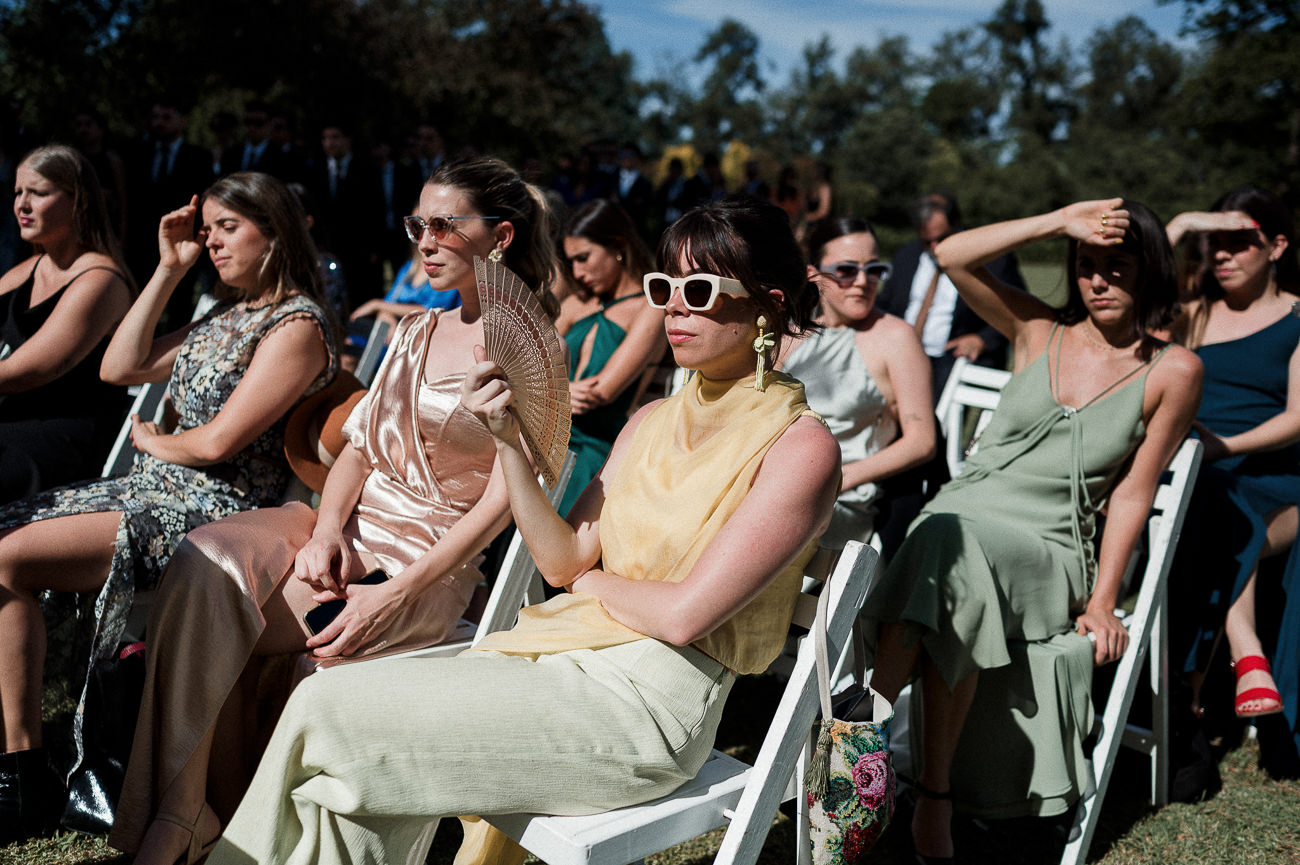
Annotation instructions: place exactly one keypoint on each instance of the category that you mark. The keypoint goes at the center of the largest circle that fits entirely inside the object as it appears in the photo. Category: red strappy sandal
(1250, 664)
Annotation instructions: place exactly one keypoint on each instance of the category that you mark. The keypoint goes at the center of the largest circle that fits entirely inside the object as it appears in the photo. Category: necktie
(926, 302)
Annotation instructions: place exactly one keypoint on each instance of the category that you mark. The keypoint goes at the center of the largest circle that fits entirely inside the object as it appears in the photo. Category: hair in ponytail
(496, 189)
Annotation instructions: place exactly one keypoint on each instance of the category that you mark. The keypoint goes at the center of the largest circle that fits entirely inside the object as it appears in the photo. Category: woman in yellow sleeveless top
(682, 559)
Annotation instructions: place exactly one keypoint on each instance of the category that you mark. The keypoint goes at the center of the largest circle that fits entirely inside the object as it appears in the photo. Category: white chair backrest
(677, 380)
(726, 791)
(1147, 640)
(149, 403)
(970, 388)
(373, 353)
(518, 583)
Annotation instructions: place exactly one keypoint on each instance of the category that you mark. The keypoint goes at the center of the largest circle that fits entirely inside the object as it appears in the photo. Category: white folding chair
(726, 791)
(373, 353)
(1147, 641)
(148, 404)
(677, 381)
(970, 388)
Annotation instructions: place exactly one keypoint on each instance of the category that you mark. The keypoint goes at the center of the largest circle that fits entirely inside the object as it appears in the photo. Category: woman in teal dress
(1244, 328)
(1005, 551)
(613, 335)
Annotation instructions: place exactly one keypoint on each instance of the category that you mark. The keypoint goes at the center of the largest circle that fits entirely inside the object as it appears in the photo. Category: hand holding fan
(520, 338)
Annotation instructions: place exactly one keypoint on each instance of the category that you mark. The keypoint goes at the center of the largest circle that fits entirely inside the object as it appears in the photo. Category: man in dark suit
(635, 191)
(918, 292)
(400, 185)
(256, 152)
(164, 171)
(350, 202)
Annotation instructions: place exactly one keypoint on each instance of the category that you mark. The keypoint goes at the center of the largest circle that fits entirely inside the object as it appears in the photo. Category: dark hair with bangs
(749, 240)
(1156, 296)
(833, 229)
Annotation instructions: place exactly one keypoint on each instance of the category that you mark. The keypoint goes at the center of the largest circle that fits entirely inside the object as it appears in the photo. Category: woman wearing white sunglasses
(866, 373)
(682, 558)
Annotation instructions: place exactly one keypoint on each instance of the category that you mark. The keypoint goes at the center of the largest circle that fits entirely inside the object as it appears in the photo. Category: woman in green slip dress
(1005, 551)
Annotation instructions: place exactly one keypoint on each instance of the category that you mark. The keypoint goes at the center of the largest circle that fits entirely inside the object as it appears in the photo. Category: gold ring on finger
(1104, 218)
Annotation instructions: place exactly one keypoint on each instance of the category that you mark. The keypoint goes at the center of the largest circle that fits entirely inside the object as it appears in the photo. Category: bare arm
(316, 562)
(787, 507)
(963, 256)
(369, 608)
(133, 355)
(1197, 222)
(643, 344)
(560, 550)
(285, 362)
(908, 372)
(92, 304)
(385, 310)
(1178, 378)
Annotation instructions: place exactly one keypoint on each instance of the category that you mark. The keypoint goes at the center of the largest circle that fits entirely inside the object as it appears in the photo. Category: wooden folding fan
(521, 339)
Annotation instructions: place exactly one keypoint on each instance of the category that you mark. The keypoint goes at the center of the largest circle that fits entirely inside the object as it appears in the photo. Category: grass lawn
(1252, 820)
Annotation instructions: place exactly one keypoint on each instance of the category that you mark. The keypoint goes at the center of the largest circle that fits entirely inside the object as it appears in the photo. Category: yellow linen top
(688, 467)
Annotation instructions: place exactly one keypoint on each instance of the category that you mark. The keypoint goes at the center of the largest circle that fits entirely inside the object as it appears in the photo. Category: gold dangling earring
(762, 345)
(496, 255)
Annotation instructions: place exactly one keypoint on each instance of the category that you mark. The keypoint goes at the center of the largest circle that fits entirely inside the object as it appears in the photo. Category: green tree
(1126, 139)
(962, 99)
(1243, 103)
(1036, 75)
(507, 76)
(728, 105)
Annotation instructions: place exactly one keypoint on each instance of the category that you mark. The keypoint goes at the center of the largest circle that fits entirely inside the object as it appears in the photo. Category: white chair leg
(803, 843)
(1158, 658)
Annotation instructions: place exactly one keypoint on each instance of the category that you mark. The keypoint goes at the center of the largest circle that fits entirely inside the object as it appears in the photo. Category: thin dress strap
(1057, 328)
(79, 275)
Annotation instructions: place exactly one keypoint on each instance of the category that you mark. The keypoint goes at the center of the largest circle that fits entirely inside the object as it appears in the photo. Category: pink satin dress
(430, 462)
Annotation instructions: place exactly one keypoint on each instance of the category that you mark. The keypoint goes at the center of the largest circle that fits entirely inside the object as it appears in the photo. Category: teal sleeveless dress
(1003, 555)
(593, 432)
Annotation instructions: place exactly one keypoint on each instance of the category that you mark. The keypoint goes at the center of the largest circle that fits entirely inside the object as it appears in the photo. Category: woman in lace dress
(415, 493)
(234, 375)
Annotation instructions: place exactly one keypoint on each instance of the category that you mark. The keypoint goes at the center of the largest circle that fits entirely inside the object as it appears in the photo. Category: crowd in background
(357, 190)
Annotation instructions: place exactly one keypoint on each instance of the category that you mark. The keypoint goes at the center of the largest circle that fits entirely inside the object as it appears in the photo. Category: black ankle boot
(28, 796)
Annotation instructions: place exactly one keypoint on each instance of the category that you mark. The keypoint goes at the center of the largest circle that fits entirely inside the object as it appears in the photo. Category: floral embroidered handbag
(850, 781)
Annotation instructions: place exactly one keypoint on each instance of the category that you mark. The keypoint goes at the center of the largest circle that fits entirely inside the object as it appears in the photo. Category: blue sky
(664, 34)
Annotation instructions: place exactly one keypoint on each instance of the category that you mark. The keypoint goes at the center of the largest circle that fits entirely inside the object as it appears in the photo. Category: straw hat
(313, 437)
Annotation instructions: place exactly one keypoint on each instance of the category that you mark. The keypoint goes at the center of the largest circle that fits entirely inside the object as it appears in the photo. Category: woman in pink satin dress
(416, 492)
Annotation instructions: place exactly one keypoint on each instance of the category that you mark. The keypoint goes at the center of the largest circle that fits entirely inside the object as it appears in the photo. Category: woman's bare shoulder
(806, 446)
(1178, 373)
(18, 274)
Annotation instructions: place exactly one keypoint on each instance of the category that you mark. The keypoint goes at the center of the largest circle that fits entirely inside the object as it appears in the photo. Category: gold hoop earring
(763, 343)
(496, 255)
